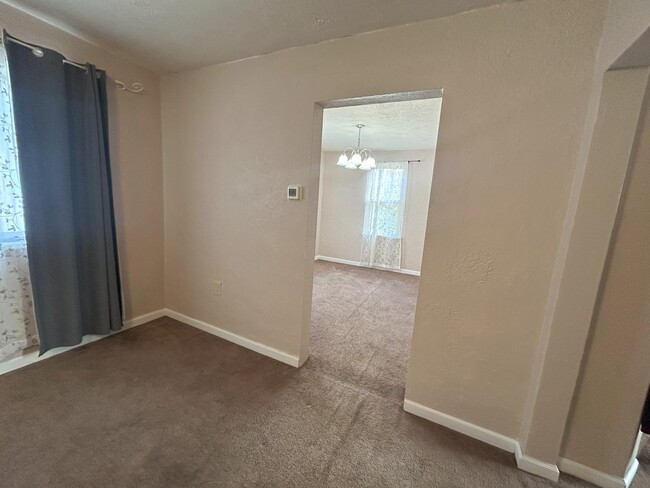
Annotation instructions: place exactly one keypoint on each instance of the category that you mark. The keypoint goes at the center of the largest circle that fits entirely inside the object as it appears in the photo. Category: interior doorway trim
(313, 196)
(387, 98)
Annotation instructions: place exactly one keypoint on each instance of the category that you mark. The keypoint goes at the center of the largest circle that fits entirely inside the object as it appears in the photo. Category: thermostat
(294, 192)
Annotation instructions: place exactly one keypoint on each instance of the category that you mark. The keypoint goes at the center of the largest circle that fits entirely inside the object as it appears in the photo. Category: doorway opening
(376, 170)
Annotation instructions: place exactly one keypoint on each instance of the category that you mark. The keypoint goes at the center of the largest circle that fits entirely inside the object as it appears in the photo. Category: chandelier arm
(358, 153)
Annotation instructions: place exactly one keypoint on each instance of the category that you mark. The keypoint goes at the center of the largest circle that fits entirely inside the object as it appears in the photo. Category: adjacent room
(324, 243)
(372, 215)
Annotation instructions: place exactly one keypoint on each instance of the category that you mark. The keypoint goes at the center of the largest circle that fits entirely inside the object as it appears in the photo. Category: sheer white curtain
(384, 215)
(17, 322)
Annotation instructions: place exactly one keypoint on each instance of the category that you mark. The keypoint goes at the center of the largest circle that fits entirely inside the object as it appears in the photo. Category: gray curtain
(62, 135)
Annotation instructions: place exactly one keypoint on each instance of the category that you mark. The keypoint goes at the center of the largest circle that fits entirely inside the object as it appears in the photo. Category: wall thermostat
(294, 192)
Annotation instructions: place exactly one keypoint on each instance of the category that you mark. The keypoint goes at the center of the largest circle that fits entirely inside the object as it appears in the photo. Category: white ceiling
(388, 126)
(175, 35)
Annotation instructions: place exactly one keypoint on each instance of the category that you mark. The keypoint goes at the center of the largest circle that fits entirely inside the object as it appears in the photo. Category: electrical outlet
(217, 287)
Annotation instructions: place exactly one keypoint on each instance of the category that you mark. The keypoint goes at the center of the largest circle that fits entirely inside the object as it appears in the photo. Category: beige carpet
(166, 405)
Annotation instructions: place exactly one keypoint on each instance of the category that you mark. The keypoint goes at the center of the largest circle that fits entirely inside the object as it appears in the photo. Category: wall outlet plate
(294, 192)
(217, 287)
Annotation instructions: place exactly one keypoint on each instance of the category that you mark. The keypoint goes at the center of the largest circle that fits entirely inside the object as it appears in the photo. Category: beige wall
(516, 80)
(626, 21)
(511, 161)
(342, 193)
(577, 273)
(136, 159)
(623, 93)
(615, 372)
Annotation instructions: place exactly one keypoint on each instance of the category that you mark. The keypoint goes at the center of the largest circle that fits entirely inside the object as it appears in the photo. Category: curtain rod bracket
(38, 52)
(134, 88)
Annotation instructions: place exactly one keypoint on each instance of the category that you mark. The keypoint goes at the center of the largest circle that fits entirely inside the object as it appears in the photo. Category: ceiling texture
(409, 125)
(172, 35)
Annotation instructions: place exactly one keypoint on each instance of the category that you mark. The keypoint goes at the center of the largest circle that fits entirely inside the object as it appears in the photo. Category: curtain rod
(402, 161)
(39, 53)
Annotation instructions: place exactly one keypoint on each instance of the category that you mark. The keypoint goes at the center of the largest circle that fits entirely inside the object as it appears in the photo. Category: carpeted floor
(166, 405)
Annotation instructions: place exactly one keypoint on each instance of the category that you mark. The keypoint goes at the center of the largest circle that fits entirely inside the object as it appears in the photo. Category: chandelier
(358, 158)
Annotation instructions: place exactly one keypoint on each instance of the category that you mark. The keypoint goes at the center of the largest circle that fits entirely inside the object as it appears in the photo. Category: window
(385, 198)
(18, 325)
(12, 223)
(384, 216)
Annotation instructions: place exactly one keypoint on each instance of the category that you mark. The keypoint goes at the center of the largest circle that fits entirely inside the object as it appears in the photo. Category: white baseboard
(630, 473)
(358, 263)
(599, 478)
(33, 357)
(480, 433)
(237, 339)
(411, 272)
(536, 466)
(143, 319)
(337, 260)
(525, 463)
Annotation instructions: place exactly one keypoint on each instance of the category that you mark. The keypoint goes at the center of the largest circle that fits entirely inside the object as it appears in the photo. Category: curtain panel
(384, 215)
(17, 322)
(61, 124)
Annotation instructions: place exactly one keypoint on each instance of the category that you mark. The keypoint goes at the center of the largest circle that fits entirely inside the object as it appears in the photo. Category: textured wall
(136, 159)
(577, 273)
(623, 93)
(516, 82)
(342, 209)
(615, 373)
(626, 21)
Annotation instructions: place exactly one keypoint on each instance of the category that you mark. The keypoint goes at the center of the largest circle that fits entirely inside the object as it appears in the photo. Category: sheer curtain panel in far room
(384, 215)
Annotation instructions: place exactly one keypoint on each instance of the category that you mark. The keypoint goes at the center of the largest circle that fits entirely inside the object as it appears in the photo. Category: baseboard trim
(599, 478)
(630, 473)
(33, 357)
(143, 319)
(337, 260)
(525, 463)
(358, 263)
(536, 466)
(237, 339)
(480, 433)
(411, 272)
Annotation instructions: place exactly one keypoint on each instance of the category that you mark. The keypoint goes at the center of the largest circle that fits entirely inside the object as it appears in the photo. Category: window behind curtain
(12, 223)
(17, 322)
(384, 215)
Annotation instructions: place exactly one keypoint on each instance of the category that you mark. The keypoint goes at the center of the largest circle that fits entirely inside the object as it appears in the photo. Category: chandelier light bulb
(364, 165)
(357, 158)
